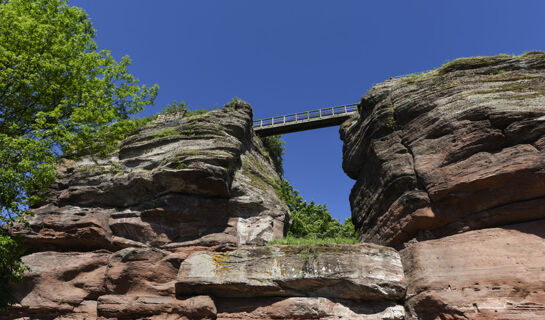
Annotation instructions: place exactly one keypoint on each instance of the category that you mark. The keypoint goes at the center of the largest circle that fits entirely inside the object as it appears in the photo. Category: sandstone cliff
(149, 233)
(449, 168)
(457, 155)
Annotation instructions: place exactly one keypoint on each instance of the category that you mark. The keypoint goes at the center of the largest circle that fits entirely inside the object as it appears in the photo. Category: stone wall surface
(351, 272)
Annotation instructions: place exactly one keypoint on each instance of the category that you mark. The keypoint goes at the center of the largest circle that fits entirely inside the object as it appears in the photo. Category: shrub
(275, 149)
(311, 221)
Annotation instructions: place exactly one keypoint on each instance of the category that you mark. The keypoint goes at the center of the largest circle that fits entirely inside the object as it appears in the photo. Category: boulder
(495, 273)
(355, 272)
(455, 149)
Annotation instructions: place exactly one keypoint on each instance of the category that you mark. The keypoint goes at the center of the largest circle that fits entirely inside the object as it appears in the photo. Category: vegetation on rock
(178, 107)
(312, 223)
(275, 150)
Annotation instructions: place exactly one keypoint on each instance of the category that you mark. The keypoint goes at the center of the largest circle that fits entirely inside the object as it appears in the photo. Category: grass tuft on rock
(303, 241)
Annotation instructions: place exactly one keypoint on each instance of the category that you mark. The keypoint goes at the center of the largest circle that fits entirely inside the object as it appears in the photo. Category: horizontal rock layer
(109, 238)
(456, 149)
(296, 308)
(178, 181)
(357, 272)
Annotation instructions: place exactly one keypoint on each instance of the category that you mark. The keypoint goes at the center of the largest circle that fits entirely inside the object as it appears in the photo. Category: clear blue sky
(289, 56)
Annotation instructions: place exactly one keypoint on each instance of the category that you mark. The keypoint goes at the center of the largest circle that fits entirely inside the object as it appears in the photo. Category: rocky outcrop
(456, 149)
(149, 233)
(351, 272)
(179, 181)
(450, 166)
(298, 282)
(307, 308)
(109, 239)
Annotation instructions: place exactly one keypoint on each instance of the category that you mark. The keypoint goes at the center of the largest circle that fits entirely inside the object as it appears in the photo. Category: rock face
(202, 180)
(456, 149)
(352, 272)
(298, 282)
(141, 235)
(110, 236)
(450, 166)
(496, 273)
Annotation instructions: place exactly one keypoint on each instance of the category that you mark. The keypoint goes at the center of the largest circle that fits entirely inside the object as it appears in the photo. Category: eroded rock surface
(307, 308)
(202, 180)
(456, 149)
(485, 274)
(356, 272)
(108, 240)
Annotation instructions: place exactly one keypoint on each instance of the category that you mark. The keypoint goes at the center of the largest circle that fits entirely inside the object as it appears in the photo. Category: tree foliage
(11, 268)
(58, 95)
(310, 220)
(275, 149)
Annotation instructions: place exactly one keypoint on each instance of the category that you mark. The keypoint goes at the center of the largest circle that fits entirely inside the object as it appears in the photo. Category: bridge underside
(302, 125)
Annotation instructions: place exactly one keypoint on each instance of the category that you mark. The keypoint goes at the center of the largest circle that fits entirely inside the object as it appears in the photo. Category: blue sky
(289, 56)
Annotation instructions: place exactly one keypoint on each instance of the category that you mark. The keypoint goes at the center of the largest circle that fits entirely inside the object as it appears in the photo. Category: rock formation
(456, 156)
(115, 237)
(449, 168)
(113, 232)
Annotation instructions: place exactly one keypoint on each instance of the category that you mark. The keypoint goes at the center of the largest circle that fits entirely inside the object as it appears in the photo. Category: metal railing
(307, 115)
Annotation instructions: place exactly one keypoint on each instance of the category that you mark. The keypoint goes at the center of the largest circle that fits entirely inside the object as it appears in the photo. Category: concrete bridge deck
(308, 120)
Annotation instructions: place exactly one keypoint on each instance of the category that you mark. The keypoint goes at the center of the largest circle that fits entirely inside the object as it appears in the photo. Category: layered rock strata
(133, 237)
(298, 282)
(110, 236)
(456, 149)
(351, 272)
(177, 182)
(450, 166)
(495, 273)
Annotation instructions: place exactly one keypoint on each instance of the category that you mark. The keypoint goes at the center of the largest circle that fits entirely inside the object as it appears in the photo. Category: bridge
(308, 120)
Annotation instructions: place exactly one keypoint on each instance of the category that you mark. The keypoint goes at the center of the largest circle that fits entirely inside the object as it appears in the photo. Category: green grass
(165, 133)
(300, 241)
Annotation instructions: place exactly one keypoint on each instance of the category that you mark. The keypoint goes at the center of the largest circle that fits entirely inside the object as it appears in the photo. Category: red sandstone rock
(177, 182)
(154, 307)
(363, 272)
(58, 283)
(456, 149)
(307, 308)
(485, 274)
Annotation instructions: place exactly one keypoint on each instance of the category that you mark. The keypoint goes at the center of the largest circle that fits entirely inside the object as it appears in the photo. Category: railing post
(320, 113)
(284, 119)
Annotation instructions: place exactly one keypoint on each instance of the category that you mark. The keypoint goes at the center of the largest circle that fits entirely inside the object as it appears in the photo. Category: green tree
(58, 95)
(312, 220)
(11, 267)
